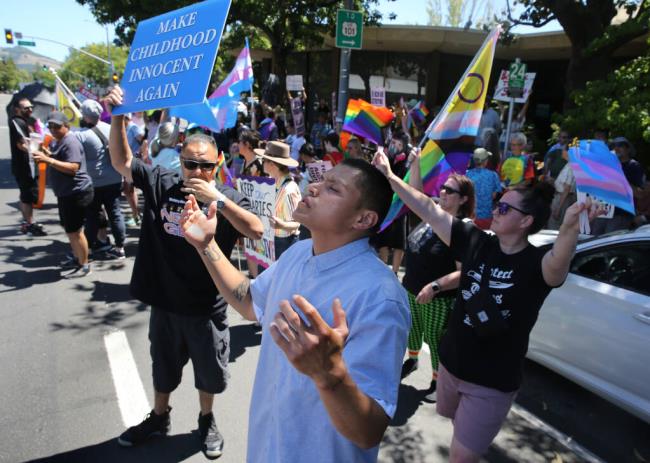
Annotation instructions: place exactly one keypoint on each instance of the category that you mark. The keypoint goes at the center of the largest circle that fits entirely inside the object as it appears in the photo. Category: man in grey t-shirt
(107, 181)
(72, 187)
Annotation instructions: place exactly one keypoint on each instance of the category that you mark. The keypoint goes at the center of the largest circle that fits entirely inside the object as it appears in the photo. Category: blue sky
(68, 22)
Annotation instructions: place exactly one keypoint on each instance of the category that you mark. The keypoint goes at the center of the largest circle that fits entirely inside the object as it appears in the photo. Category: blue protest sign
(171, 58)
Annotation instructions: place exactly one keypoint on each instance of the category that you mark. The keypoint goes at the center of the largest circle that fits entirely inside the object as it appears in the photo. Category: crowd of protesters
(337, 324)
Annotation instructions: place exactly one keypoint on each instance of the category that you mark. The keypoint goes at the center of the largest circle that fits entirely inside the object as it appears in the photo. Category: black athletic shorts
(72, 210)
(28, 187)
(176, 338)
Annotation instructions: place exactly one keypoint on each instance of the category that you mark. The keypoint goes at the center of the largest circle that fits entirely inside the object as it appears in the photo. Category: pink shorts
(477, 411)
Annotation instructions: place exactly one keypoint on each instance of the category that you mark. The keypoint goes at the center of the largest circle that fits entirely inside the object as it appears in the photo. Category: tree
(288, 26)
(43, 75)
(588, 25)
(80, 68)
(460, 13)
(11, 76)
(619, 103)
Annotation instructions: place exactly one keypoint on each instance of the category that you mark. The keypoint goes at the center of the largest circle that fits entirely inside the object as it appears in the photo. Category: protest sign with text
(317, 169)
(260, 192)
(171, 58)
(294, 83)
(298, 116)
(378, 96)
(501, 92)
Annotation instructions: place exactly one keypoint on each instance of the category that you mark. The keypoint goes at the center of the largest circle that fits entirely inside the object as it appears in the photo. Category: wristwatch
(221, 200)
(435, 287)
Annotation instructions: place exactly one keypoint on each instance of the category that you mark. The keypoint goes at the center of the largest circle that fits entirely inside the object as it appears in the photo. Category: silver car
(595, 329)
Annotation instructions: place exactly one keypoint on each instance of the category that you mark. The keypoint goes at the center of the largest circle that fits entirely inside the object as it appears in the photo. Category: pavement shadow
(16, 280)
(241, 337)
(170, 449)
(47, 255)
(408, 401)
(404, 444)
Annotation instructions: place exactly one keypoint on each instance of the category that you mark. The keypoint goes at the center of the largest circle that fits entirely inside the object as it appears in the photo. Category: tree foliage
(588, 25)
(11, 75)
(459, 13)
(619, 103)
(80, 68)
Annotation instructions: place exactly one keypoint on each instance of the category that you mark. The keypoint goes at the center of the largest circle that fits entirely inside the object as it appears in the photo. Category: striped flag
(223, 173)
(65, 104)
(419, 112)
(450, 137)
(598, 172)
(366, 120)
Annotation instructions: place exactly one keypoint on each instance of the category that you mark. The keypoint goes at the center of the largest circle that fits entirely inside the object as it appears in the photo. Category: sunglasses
(27, 107)
(503, 208)
(189, 164)
(53, 126)
(449, 190)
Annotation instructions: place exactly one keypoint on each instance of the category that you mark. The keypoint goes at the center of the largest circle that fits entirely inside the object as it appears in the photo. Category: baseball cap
(91, 109)
(481, 154)
(58, 118)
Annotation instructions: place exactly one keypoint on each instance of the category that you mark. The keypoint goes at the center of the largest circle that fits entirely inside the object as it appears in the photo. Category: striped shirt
(287, 197)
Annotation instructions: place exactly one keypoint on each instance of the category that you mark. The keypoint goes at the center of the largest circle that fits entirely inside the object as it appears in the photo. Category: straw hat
(277, 152)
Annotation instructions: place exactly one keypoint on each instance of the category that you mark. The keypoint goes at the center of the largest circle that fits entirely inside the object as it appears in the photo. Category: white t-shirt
(565, 177)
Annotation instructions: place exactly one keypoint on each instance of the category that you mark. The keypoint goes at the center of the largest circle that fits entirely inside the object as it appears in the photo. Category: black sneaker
(152, 425)
(70, 261)
(102, 246)
(115, 254)
(35, 229)
(79, 272)
(410, 365)
(211, 438)
(431, 397)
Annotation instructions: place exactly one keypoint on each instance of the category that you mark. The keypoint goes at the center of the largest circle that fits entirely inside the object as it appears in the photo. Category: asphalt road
(60, 389)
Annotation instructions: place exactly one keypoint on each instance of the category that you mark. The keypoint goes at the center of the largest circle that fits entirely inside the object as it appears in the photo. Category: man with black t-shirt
(188, 316)
(22, 167)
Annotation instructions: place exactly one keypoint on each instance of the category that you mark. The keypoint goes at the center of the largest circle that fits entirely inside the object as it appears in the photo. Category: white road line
(128, 385)
(549, 430)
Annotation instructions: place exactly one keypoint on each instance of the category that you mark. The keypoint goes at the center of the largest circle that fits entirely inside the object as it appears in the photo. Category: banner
(378, 96)
(294, 83)
(298, 116)
(501, 91)
(260, 192)
(171, 58)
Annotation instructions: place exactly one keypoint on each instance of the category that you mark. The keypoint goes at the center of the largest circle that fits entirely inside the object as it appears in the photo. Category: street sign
(349, 29)
(517, 75)
(26, 43)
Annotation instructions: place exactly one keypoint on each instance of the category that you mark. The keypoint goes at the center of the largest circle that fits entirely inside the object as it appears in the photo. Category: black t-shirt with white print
(168, 272)
(518, 288)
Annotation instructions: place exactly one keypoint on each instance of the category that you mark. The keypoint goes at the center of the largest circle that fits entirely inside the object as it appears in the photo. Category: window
(626, 266)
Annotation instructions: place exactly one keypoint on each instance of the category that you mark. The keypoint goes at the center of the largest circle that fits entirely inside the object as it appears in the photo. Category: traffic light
(116, 79)
(9, 36)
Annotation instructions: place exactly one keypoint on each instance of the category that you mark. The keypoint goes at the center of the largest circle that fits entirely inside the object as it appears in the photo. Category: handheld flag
(65, 104)
(598, 172)
(366, 120)
(223, 173)
(450, 137)
(419, 112)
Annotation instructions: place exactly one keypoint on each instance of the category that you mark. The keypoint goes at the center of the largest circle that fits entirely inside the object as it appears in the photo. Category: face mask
(392, 150)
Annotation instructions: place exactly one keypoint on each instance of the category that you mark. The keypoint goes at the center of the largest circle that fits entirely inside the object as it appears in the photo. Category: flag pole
(253, 121)
(65, 87)
(460, 82)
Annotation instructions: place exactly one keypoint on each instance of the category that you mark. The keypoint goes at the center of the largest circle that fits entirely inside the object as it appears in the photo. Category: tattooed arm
(199, 232)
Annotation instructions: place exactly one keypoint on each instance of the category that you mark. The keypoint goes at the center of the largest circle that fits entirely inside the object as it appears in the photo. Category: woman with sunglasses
(432, 273)
(504, 281)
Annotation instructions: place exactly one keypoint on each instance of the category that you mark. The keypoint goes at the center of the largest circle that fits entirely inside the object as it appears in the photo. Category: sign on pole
(349, 29)
(378, 96)
(27, 43)
(171, 58)
(260, 192)
(501, 91)
(294, 83)
(516, 78)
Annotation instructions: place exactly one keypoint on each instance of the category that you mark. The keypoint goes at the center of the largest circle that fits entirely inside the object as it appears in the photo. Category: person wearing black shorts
(22, 167)
(188, 315)
(72, 187)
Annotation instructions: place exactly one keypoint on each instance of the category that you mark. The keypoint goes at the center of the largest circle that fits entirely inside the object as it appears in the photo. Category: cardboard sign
(378, 96)
(294, 83)
(260, 192)
(170, 61)
(317, 169)
(501, 92)
(298, 116)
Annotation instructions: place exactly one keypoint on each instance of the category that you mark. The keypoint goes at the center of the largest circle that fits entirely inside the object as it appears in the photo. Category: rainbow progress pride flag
(223, 173)
(419, 112)
(366, 120)
(598, 172)
(450, 137)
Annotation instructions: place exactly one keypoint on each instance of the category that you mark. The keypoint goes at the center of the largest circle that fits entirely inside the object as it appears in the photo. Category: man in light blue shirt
(329, 366)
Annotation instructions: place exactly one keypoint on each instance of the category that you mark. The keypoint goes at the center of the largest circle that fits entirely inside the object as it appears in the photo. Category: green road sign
(349, 29)
(517, 75)
(26, 43)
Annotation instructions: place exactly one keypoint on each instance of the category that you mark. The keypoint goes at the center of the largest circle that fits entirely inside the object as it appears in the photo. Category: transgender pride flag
(225, 98)
(598, 172)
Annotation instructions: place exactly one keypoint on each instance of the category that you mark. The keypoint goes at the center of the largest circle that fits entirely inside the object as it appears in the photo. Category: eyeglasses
(30, 108)
(503, 208)
(449, 190)
(189, 164)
